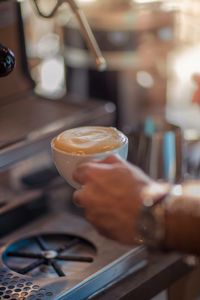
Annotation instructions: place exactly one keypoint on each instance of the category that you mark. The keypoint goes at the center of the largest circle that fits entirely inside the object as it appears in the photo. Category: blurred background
(152, 51)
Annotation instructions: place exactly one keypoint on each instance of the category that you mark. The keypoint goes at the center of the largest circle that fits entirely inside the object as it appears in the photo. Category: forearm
(183, 224)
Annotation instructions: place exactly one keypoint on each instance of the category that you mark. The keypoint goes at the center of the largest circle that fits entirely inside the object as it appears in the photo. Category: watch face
(147, 225)
(150, 228)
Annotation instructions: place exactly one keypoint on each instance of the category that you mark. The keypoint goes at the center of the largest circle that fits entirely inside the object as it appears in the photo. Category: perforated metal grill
(49, 256)
(16, 288)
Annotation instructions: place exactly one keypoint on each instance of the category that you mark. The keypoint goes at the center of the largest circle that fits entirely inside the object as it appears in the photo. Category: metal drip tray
(49, 256)
(65, 259)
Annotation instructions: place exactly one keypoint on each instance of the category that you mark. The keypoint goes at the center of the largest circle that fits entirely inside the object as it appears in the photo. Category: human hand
(111, 195)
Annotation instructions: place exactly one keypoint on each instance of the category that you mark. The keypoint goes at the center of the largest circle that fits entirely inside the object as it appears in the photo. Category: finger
(85, 172)
(82, 173)
(88, 197)
(80, 198)
(111, 159)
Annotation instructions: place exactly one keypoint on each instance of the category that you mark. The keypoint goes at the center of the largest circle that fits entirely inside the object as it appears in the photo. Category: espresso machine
(47, 248)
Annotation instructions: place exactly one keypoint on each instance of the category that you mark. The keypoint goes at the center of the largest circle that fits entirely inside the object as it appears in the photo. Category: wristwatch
(151, 226)
(151, 223)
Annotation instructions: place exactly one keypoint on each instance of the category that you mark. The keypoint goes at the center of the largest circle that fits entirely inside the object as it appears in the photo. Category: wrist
(153, 193)
(151, 223)
(183, 212)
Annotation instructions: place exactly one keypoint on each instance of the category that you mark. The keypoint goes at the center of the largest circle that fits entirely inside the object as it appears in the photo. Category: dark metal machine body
(47, 249)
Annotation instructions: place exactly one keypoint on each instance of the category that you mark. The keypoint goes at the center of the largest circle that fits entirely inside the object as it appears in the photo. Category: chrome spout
(84, 27)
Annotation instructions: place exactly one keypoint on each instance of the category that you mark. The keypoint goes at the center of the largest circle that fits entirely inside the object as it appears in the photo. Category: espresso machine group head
(7, 59)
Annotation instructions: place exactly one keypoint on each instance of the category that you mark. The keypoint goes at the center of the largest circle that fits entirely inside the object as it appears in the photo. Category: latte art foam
(89, 140)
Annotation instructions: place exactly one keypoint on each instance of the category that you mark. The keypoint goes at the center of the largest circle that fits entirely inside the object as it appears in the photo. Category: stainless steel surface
(159, 151)
(91, 41)
(82, 279)
(192, 140)
(47, 248)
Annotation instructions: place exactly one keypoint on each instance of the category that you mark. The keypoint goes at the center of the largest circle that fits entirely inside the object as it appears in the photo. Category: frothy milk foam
(89, 140)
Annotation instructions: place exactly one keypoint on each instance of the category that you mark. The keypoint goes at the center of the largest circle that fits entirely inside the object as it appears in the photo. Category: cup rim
(92, 154)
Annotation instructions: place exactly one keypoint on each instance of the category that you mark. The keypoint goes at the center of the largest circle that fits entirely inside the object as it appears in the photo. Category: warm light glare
(51, 75)
(146, 1)
(145, 79)
(187, 64)
(86, 1)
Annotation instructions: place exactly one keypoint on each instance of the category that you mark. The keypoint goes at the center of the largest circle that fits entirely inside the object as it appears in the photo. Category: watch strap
(151, 224)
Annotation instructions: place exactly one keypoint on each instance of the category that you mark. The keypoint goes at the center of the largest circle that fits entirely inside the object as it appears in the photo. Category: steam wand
(7, 58)
(84, 27)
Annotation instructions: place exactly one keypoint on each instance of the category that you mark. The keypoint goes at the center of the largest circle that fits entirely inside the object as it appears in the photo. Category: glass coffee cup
(75, 146)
